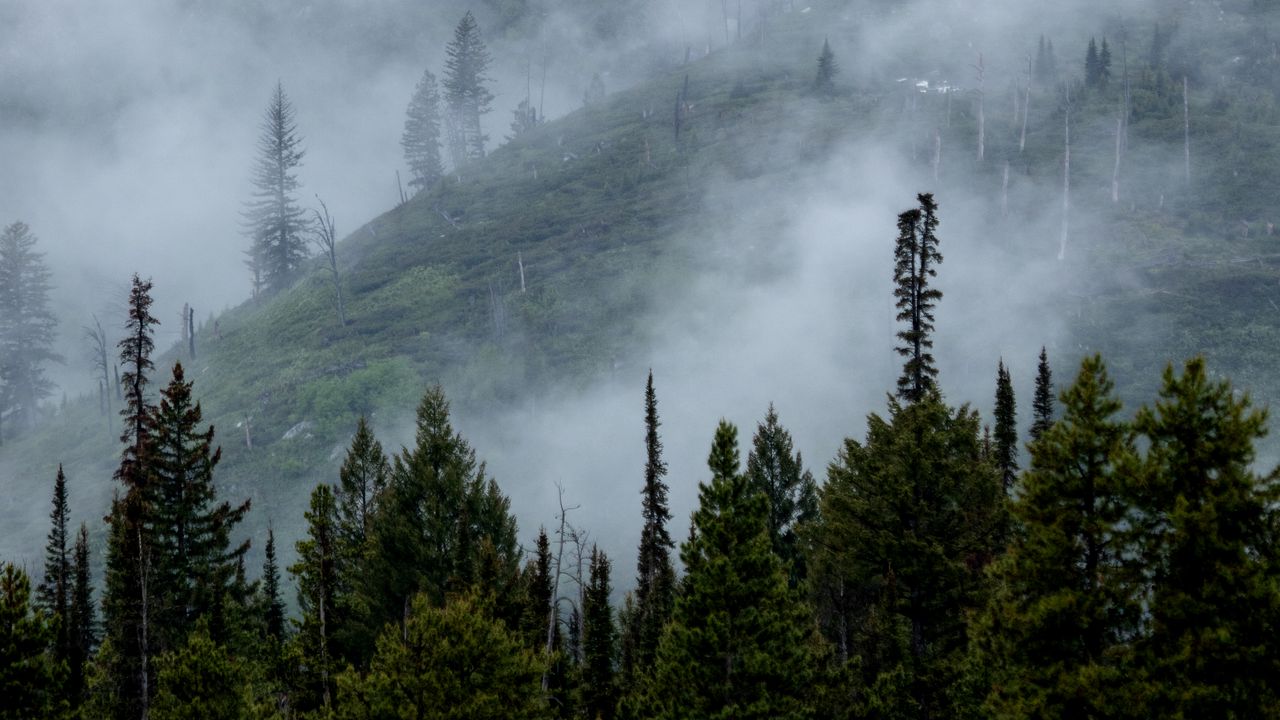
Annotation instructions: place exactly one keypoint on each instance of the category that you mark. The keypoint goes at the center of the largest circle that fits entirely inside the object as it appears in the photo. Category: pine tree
(361, 481)
(29, 675)
(53, 595)
(825, 81)
(599, 688)
(655, 575)
(737, 645)
(200, 679)
(909, 519)
(777, 471)
(27, 325)
(1092, 71)
(1104, 64)
(272, 603)
(83, 627)
(421, 138)
(915, 256)
(1205, 524)
(128, 601)
(465, 75)
(1042, 402)
(1006, 431)
(525, 118)
(275, 223)
(537, 590)
(1054, 637)
(454, 661)
(316, 576)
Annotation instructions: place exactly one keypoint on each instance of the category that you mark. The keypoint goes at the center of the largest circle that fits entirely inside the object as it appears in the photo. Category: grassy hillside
(537, 268)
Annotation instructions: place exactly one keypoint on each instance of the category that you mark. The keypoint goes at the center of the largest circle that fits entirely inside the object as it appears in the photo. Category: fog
(129, 138)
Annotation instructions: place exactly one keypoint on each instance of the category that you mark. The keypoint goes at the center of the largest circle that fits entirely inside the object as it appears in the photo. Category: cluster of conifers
(1130, 571)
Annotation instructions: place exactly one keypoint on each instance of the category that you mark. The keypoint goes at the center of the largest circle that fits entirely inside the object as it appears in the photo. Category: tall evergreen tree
(272, 603)
(1104, 63)
(1207, 523)
(465, 76)
(537, 590)
(316, 576)
(29, 675)
(194, 560)
(737, 645)
(1054, 637)
(421, 138)
(128, 602)
(361, 481)
(909, 519)
(83, 625)
(1006, 430)
(599, 687)
(655, 575)
(1092, 69)
(1042, 401)
(53, 595)
(27, 325)
(825, 81)
(776, 470)
(915, 256)
(275, 223)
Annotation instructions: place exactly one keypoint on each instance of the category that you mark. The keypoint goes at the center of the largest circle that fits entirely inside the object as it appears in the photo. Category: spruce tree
(1053, 640)
(776, 470)
(421, 138)
(1104, 64)
(537, 591)
(361, 481)
(315, 574)
(83, 626)
(1092, 70)
(27, 325)
(275, 223)
(465, 76)
(825, 81)
(1006, 430)
(272, 603)
(737, 645)
(915, 256)
(1042, 401)
(53, 595)
(655, 575)
(29, 675)
(1206, 526)
(909, 519)
(599, 689)
(200, 679)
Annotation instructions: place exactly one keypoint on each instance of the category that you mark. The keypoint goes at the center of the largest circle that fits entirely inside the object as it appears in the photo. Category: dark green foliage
(1206, 528)
(537, 590)
(1104, 64)
(1042, 401)
(272, 603)
(737, 645)
(317, 577)
(29, 674)
(1092, 67)
(655, 575)
(83, 626)
(1053, 641)
(361, 481)
(1005, 448)
(27, 326)
(53, 595)
(465, 75)
(190, 532)
(910, 518)
(915, 256)
(598, 687)
(454, 662)
(776, 470)
(275, 223)
(825, 81)
(200, 680)
(421, 138)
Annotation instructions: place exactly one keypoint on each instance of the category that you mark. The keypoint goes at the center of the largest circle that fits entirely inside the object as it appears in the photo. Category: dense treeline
(1130, 570)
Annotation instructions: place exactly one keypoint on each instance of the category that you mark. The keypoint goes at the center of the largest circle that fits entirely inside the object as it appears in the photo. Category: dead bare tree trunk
(1115, 171)
(937, 153)
(1066, 184)
(520, 262)
(1186, 134)
(553, 613)
(1026, 109)
(144, 559)
(1004, 191)
(982, 127)
(248, 434)
(326, 236)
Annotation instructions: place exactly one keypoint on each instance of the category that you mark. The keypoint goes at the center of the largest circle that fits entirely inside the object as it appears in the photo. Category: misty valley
(626, 359)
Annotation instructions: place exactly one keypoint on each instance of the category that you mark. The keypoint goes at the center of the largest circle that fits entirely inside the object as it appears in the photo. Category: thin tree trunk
(1186, 133)
(520, 262)
(1066, 186)
(1004, 191)
(143, 641)
(937, 153)
(1026, 110)
(1115, 172)
(982, 127)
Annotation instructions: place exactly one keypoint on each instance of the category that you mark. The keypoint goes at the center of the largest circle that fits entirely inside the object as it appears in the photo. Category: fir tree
(27, 325)
(1006, 430)
(825, 81)
(1104, 64)
(655, 575)
(1092, 70)
(29, 675)
(737, 645)
(272, 603)
(361, 481)
(777, 471)
(1042, 402)
(537, 590)
(465, 76)
(1053, 639)
(421, 138)
(83, 626)
(316, 576)
(53, 595)
(599, 688)
(1206, 525)
(200, 680)
(915, 256)
(275, 223)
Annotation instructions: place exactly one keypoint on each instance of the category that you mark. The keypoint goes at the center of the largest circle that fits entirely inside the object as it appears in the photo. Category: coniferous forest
(1023, 283)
